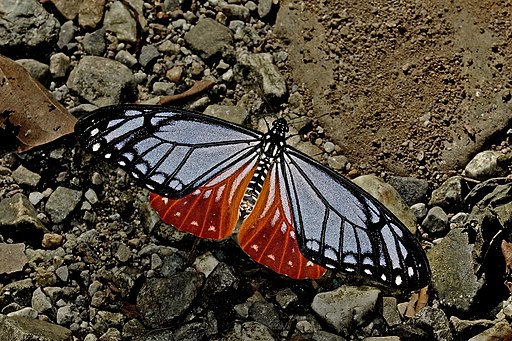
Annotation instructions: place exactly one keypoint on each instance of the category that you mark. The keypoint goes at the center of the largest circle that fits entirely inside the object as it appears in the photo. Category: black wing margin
(171, 151)
(342, 227)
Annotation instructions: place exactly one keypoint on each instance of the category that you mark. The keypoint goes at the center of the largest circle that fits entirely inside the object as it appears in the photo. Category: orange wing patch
(268, 235)
(211, 211)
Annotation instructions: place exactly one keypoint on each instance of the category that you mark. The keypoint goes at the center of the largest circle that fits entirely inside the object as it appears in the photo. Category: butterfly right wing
(171, 151)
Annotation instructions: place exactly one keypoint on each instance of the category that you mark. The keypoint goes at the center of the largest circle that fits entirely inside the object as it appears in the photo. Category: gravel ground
(416, 93)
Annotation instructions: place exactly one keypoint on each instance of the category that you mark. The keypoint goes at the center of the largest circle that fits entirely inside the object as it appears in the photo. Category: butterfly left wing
(342, 227)
(170, 151)
(268, 233)
(211, 210)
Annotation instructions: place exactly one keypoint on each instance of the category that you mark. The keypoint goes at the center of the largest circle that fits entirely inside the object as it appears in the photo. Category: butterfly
(213, 178)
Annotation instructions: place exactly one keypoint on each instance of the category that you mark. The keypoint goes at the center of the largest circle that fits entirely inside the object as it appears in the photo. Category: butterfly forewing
(268, 235)
(204, 212)
(170, 151)
(344, 228)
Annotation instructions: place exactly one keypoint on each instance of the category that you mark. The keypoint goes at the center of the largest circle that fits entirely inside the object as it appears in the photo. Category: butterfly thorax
(270, 150)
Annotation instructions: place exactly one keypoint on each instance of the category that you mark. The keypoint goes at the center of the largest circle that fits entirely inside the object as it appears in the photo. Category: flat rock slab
(12, 258)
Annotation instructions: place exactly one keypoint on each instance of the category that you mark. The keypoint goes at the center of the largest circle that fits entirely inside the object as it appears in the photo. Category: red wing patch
(211, 211)
(268, 235)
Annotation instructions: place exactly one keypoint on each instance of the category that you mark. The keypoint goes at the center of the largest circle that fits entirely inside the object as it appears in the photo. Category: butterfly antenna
(291, 330)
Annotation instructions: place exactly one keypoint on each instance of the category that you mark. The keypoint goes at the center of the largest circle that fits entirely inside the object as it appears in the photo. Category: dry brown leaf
(28, 106)
(196, 89)
(411, 306)
(506, 250)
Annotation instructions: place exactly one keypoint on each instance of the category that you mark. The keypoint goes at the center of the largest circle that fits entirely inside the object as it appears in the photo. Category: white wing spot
(121, 163)
(290, 263)
(150, 186)
(196, 192)
(96, 147)
(410, 271)
(108, 155)
(383, 277)
(398, 280)
(165, 200)
(283, 228)
(254, 247)
(195, 223)
(310, 263)
(177, 214)
(211, 228)
(271, 257)
(135, 175)
(94, 132)
(368, 271)
(292, 234)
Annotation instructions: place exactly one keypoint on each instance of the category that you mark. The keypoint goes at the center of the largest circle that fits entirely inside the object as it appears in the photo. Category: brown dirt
(411, 88)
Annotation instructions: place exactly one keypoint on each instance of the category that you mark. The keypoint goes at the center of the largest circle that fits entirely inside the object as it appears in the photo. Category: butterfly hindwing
(342, 227)
(268, 233)
(170, 151)
(204, 212)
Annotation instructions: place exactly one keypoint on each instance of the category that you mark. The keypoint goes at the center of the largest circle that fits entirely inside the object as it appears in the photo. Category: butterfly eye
(300, 217)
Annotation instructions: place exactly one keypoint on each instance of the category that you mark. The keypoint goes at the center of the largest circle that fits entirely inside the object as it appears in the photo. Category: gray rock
(18, 212)
(163, 88)
(390, 311)
(265, 313)
(229, 113)
(195, 331)
(12, 258)
(102, 81)
(260, 67)
(59, 65)
(62, 202)
(111, 334)
(487, 164)
(66, 35)
(500, 331)
(286, 297)
(325, 336)
(249, 331)
(126, 58)
(40, 302)
(452, 267)
(119, 20)
(346, 308)
(91, 13)
(65, 315)
(436, 221)
(123, 253)
(437, 320)
(26, 28)
(233, 11)
(419, 210)
(412, 190)
(37, 70)
(338, 162)
(22, 328)
(162, 299)
(62, 272)
(464, 328)
(24, 312)
(148, 54)
(91, 196)
(449, 195)
(208, 37)
(389, 197)
(219, 287)
(264, 7)
(110, 318)
(94, 42)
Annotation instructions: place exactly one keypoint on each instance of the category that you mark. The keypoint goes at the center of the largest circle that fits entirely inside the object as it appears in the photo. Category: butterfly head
(279, 129)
